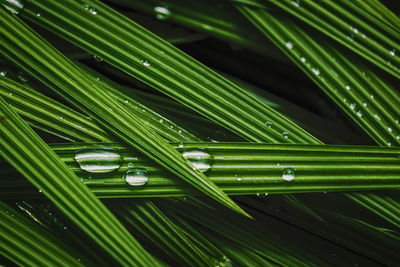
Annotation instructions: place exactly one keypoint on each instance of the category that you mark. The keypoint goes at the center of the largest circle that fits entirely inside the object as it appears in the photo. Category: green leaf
(17, 38)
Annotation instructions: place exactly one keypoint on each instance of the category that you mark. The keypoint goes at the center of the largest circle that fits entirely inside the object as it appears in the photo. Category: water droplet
(389, 144)
(392, 52)
(355, 30)
(40, 190)
(376, 116)
(303, 59)
(93, 11)
(161, 120)
(38, 15)
(10, 94)
(359, 113)
(348, 87)
(100, 160)
(97, 59)
(398, 137)
(162, 12)
(365, 104)
(239, 179)
(126, 101)
(181, 145)
(390, 130)
(136, 177)
(145, 63)
(372, 96)
(316, 71)
(23, 77)
(289, 44)
(14, 6)
(296, 3)
(363, 36)
(278, 165)
(288, 174)
(352, 106)
(60, 118)
(397, 121)
(200, 159)
(268, 124)
(350, 37)
(130, 164)
(3, 73)
(285, 135)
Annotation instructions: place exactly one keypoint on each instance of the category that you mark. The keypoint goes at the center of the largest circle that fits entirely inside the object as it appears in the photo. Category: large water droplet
(99, 160)
(200, 159)
(14, 6)
(162, 12)
(145, 63)
(136, 177)
(288, 174)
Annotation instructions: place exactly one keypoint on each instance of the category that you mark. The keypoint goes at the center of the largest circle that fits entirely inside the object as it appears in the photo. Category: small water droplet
(130, 164)
(99, 160)
(350, 37)
(136, 177)
(200, 159)
(14, 6)
(288, 174)
(363, 36)
(289, 44)
(352, 106)
(376, 116)
(239, 179)
(93, 11)
(278, 165)
(161, 120)
(355, 30)
(97, 59)
(397, 121)
(40, 190)
(145, 63)
(348, 87)
(268, 124)
(296, 3)
(372, 96)
(392, 52)
(60, 118)
(23, 77)
(359, 113)
(38, 15)
(3, 73)
(365, 104)
(390, 130)
(162, 12)
(398, 137)
(303, 59)
(285, 135)
(10, 94)
(389, 144)
(316, 71)
(181, 145)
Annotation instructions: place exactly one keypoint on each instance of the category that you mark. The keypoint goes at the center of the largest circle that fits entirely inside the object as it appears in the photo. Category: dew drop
(268, 124)
(161, 120)
(350, 37)
(10, 94)
(363, 36)
(389, 144)
(316, 71)
(99, 160)
(181, 145)
(60, 118)
(239, 179)
(376, 116)
(289, 44)
(14, 6)
(200, 159)
(126, 101)
(93, 11)
(296, 3)
(130, 164)
(136, 177)
(390, 130)
(162, 12)
(38, 15)
(372, 96)
(348, 87)
(303, 59)
(3, 73)
(392, 52)
(285, 135)
(288, 174)
(359, 113)
(98, 59)
(365, 104)
(398, 137)
(145, 63)
(23, 77)
(352, 106)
